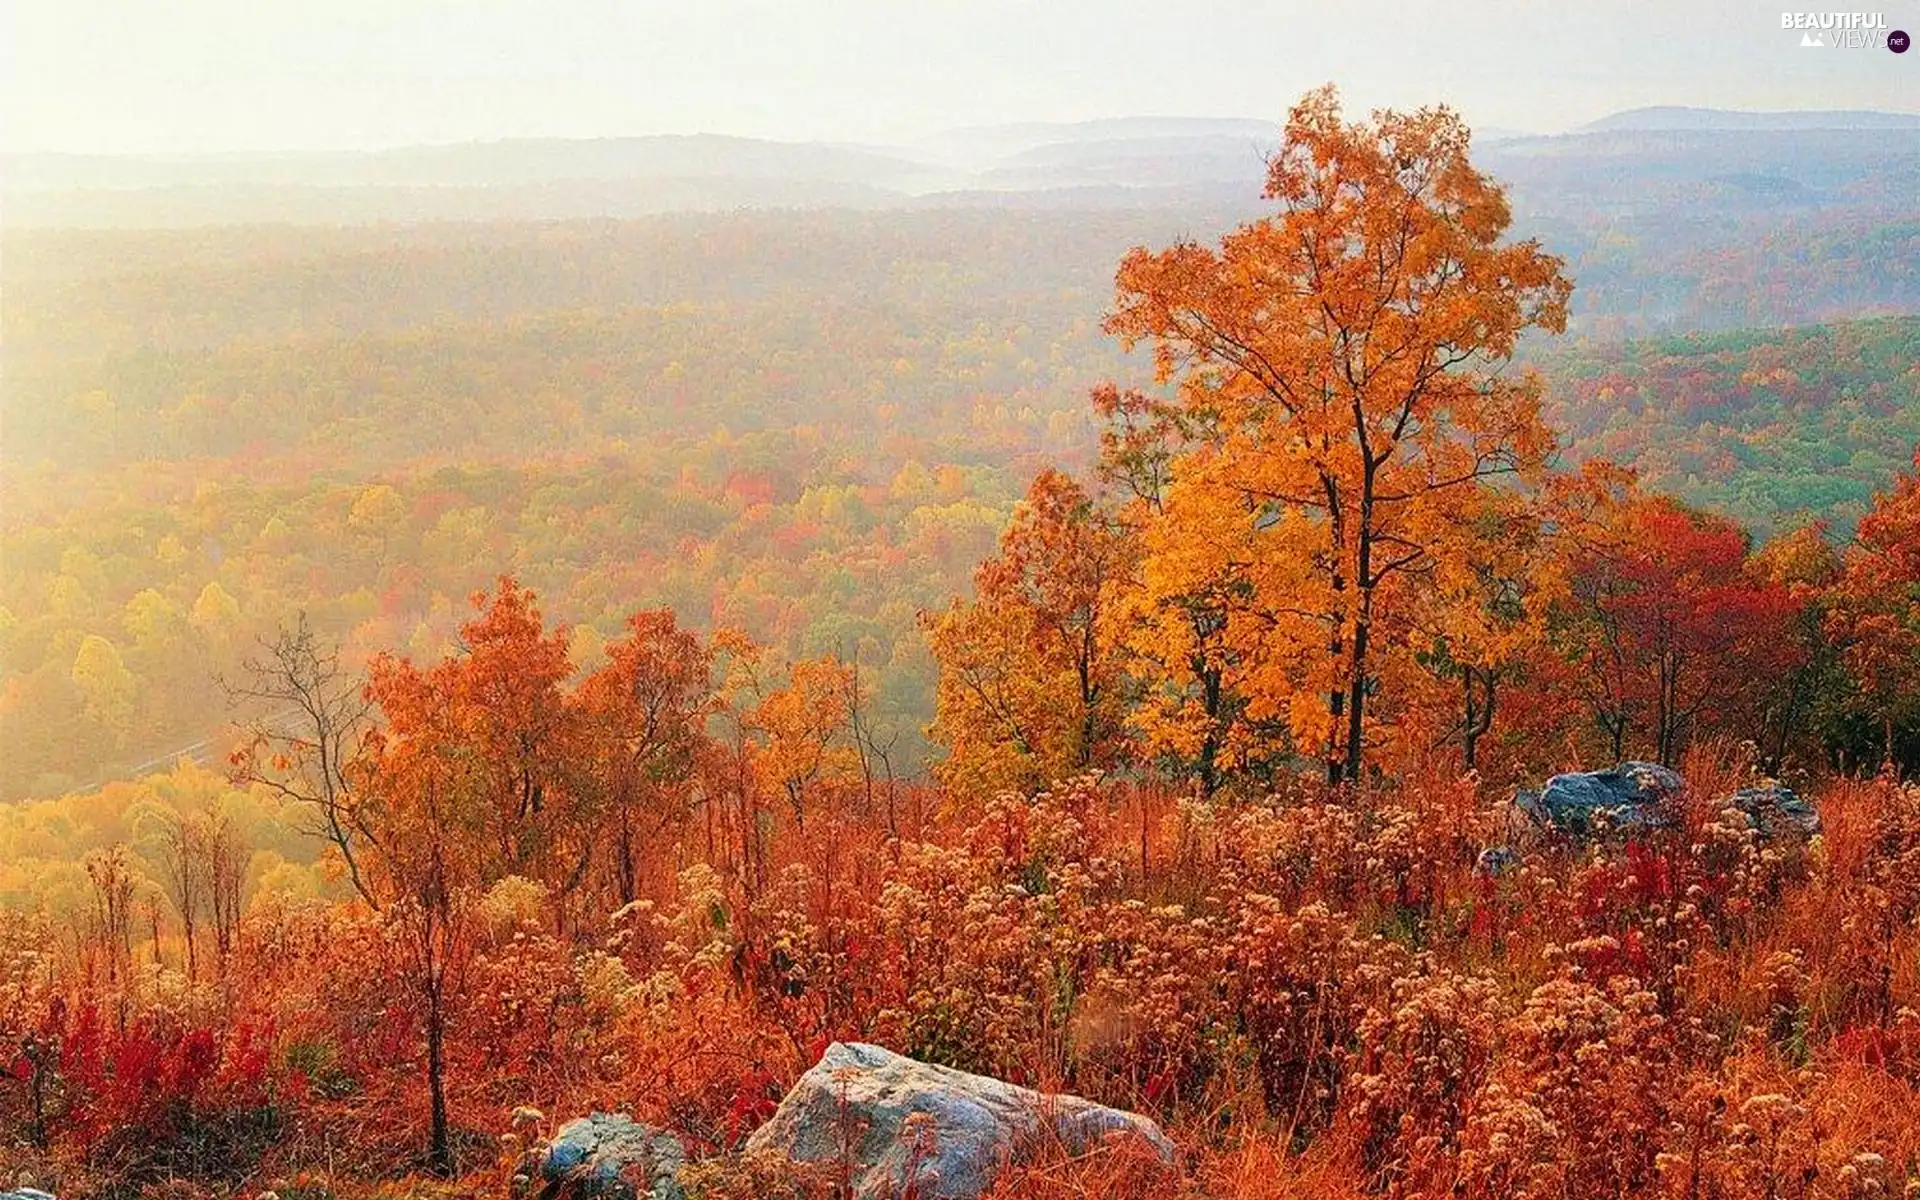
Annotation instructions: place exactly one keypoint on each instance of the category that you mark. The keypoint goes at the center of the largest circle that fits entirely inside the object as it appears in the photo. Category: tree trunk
(1366, 581)
(1336, 699)
(1084, 756)
(1336, 709)
(1356, 704)
(440, 1151)
(1669, 717)
(1616, 731)
(1212, 694)
(1788, 719)
(629, 872)
(1479, 715)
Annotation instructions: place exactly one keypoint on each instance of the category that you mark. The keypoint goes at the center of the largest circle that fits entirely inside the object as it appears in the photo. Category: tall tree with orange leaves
(805, 748)
(1806, 565)
(1340, 375)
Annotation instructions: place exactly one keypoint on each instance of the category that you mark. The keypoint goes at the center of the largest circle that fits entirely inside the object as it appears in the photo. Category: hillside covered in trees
(622, 661)
(807, 425)
(1769, 426)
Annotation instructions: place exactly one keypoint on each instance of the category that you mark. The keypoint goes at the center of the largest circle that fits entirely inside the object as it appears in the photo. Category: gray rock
(1632, 797)
(611, 1156)
(1776, 810)
(1496, 861)
(27, 1193)
(946, 1134)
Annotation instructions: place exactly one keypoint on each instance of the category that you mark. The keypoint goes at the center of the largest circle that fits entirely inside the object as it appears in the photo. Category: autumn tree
(115, 887)
(505, 697)
(1484, 628)
(106, 686)
(391, 821)
(473, 776)
(223, 869)
(203, 866)
(183, 877)
(644, 716)
(1876, 609)
(1191, 708)
(470, 780)
(738, 819)
(1486, 620)
(804, 750)
(420, 810)
(875, 742)
(1669, 629)
(1031, 685)
(1804, 563)
(1341, 390)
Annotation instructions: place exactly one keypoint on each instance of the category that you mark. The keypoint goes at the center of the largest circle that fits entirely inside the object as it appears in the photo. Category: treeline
(363, 347)
(1606, 623)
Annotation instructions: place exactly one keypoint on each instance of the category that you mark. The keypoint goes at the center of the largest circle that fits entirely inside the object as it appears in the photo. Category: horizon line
(862, 144)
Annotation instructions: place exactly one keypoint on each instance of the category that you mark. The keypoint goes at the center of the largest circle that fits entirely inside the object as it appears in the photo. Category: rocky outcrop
(1637, 796)
(1776, 811)
(1632, 797)
(610, 1156)
(908, 1127)
(26, 1193)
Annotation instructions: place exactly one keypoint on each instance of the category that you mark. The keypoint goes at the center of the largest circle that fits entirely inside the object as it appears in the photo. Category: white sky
(212, 75)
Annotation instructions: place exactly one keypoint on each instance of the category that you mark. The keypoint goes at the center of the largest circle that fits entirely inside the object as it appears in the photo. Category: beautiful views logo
(1841, 30)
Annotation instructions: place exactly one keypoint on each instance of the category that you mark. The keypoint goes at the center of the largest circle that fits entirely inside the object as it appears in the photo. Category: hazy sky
(208, 75)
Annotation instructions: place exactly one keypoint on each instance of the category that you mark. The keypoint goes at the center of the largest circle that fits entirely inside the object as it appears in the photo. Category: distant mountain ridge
(505, 163)
(980, 144)
(1641, 163)
(1672, 118)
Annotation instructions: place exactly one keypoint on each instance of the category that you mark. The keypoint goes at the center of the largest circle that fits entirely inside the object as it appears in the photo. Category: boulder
(1632, 797)
(26, 1193)
(908, 1127)
(1496, 861)
(1776, 811)
(611, 1156)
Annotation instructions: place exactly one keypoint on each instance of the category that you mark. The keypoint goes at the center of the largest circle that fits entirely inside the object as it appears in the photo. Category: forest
(459, 678)
(809, 426)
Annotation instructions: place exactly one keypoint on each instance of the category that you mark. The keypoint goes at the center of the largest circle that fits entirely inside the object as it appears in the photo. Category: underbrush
(1335, 995)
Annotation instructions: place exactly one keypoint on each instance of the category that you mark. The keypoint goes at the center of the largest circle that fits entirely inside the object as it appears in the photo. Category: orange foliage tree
(472, 778)
(1876, 611)
(1340, 399)
(1032, 686)
(1484, 627)
(1803, 562)
(806, 750)
(645, 713)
